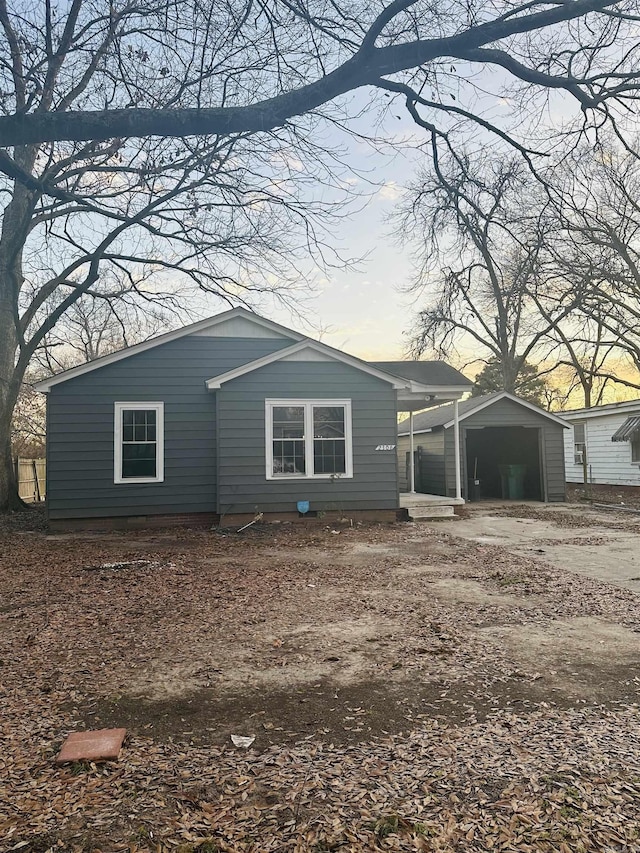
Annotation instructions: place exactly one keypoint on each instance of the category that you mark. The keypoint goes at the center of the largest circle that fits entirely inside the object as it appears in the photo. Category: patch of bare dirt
(572, 516)
(407, 689)
(627, 497)
(324, 712)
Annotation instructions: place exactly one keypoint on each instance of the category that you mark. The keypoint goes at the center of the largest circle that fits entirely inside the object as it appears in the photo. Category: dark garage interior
(493, 447)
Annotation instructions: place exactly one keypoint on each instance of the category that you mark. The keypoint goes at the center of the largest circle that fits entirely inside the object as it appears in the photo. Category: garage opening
(496, 452)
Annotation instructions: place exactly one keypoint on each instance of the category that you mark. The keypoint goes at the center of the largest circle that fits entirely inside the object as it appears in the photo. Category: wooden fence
(31, 477)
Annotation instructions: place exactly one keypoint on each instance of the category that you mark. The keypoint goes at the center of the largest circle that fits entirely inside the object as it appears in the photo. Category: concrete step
(424, 513)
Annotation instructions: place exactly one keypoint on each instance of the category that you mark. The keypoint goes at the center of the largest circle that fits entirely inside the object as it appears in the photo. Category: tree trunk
(9, 499)
(9, 386)
(13, 234)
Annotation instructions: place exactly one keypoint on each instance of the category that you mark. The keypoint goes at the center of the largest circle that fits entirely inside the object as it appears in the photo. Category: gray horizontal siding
(505, 413)
(243, 486)
(80, 429)
(430, 474)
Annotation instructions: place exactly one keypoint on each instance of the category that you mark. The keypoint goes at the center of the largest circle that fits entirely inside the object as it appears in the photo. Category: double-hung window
(308, 438)
(139, 443)
(579, 442)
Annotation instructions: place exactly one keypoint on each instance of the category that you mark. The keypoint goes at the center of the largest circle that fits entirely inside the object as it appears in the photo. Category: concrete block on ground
(97, 745)
(425, 513)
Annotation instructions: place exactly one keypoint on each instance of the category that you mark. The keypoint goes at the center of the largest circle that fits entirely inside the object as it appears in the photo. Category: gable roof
(192, 329)
(415, 377)
(442, 416)
(312, 347)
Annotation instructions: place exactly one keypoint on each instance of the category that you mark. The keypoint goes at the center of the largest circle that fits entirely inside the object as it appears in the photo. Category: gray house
(228, 417)
(495, 431)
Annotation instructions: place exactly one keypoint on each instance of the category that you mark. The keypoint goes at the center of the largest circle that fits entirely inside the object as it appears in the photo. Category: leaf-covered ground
(407, 690)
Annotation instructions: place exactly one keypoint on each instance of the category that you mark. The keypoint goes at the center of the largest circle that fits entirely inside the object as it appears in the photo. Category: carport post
(412, 464)
(456, 451)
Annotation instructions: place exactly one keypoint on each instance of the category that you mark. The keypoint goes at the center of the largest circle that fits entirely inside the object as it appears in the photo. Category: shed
(605, 440)
(495, 430)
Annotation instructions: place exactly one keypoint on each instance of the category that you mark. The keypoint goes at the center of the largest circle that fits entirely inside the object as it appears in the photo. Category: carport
(493, 452)
(509, 446)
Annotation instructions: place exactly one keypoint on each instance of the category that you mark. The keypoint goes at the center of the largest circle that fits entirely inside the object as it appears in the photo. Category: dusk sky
(363, 310)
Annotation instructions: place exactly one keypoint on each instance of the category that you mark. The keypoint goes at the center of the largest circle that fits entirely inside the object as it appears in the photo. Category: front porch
(422, 507)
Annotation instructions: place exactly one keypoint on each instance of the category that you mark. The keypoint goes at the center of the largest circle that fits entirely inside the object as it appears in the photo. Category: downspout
(412, 464)
(456, 449)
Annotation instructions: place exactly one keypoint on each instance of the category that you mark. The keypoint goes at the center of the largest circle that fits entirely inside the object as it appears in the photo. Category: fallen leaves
(406, 725)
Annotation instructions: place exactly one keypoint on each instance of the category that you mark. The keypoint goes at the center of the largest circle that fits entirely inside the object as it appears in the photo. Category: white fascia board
(505, 395)
(314, 346)
(627, 406)
(193, 328)
(415, 432)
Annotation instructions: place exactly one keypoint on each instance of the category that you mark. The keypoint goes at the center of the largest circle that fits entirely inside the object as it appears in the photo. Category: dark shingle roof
(425, 372)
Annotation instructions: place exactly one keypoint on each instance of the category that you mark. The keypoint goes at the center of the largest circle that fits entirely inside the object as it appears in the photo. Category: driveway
(602, 545)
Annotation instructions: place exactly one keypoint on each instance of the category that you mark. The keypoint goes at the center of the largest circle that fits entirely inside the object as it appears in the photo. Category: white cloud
(390, 191)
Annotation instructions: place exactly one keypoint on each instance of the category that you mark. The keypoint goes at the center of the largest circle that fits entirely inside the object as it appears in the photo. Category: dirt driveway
(590, 542)
(406, 686)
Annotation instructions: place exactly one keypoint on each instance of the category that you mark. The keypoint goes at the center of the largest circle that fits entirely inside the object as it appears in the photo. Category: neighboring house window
(579, 443)
(635, 448)
(308, 438)
(139, 443)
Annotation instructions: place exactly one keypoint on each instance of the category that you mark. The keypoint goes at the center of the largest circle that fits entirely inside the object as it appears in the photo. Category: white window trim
(576, 444)
(308, 405)
(119, 408)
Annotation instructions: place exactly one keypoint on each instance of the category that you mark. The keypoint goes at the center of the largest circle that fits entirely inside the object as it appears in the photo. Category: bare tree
(28, 426)
(594, 245)
(91, 328)
(547, 269)
(161, 141)
(286, 58)
(478, 249)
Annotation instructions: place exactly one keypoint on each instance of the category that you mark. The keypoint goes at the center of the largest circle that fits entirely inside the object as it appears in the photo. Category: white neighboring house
(609, 436)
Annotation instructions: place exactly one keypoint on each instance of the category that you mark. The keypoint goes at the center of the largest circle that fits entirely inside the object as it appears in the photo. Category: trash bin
(512, 477)
(474, 490)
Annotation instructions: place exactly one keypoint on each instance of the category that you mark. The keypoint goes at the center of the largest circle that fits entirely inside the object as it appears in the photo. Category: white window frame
(119, 409)
(579, 444)
(308, 406)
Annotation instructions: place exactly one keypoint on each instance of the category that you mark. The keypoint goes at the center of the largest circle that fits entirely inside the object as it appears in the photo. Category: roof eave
(508, 396)
(216, 382)
(210, 322)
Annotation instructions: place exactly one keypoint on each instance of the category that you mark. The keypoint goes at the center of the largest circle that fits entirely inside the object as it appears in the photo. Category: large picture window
(139, 443)
(308, 438)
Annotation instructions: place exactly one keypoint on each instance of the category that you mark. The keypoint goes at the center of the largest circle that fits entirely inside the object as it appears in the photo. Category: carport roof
(442, 416)
(628, 431)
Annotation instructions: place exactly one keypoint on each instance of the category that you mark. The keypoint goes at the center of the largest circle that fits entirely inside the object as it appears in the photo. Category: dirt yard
(466, 686)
